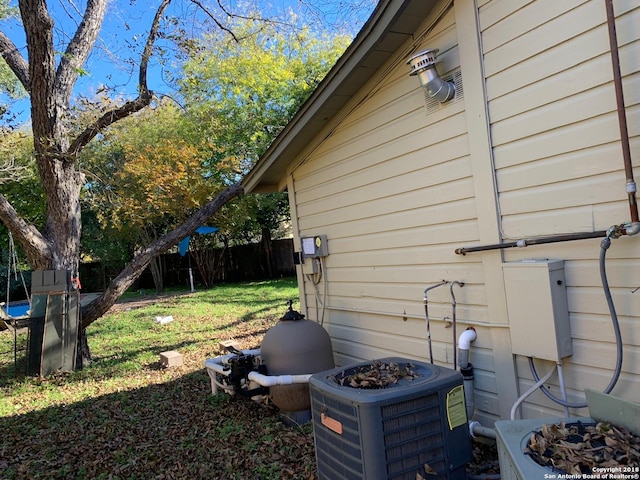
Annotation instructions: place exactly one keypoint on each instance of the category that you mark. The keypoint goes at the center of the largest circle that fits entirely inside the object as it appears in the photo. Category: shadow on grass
(101, 366)
(176, 430)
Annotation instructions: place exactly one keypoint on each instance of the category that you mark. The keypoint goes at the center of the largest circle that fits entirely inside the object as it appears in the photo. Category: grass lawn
(126, 417)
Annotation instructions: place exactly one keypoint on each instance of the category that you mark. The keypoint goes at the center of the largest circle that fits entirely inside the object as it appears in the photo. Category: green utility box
(54, 323)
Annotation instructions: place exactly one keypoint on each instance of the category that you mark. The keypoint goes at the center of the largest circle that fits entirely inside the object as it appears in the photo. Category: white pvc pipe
(477, 430)
(217, 367)
(274, 380)
(464, 344)
(535, 387)
(466, 337)
(219, 364)
(563, 389)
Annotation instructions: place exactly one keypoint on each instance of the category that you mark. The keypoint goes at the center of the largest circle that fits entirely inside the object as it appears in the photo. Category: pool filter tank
(295, 346)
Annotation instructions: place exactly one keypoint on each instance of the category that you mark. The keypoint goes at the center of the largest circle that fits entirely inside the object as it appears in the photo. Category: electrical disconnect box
(538, 311)
(313, 248)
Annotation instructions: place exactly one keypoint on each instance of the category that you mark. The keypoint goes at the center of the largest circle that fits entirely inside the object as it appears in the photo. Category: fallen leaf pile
(174, 430)
(578, 448)
(485, 460)
(376, 375)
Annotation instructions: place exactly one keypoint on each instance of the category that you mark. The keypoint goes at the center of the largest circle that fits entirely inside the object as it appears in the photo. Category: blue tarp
(183, 246)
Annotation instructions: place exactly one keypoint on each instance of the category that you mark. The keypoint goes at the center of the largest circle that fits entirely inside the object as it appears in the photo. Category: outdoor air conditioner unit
(513, 437)
(415, 426)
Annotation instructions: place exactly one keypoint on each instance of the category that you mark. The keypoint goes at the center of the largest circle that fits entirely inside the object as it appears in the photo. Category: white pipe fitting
(274, 380)
(464, 344)
(466, 337)
(477, 430)
(219, 364)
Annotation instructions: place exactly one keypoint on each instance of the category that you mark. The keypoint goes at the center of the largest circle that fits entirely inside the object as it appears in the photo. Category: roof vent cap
(423, 65)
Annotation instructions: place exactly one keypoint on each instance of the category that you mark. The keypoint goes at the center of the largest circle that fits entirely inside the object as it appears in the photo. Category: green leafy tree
(154, 169)
(150, 175)
(48, 69)
(243, 92)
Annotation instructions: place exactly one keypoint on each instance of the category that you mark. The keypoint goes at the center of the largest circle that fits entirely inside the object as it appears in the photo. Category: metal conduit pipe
(622, 119)
(426, 314)
(453, 315)
(525, 242)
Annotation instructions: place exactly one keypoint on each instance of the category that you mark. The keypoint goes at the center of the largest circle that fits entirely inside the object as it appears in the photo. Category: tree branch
(107, 119)
(16, 62)
(38, 28)
(130, 107)
(78, 49)
(132, 271)
(148, 48)
(32, 241)
(215, 20)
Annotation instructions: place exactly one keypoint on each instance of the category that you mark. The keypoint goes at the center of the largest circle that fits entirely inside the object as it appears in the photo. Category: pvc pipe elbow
(466, 337)
(215, 364)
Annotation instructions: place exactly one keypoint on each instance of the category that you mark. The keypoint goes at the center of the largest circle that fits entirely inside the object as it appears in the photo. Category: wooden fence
(232, 264)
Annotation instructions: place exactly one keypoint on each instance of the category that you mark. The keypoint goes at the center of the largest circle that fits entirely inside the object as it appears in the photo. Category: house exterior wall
(559, 168)
(529, 147)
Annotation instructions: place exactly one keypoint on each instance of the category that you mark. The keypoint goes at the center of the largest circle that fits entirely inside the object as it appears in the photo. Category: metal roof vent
(423, 65)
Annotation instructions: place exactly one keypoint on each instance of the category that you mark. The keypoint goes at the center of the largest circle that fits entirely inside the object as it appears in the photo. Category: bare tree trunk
(57, 245)
(156, 273)
(268, 250)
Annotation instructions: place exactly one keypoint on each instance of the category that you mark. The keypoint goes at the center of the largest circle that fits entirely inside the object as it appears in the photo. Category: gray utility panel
(54, 322)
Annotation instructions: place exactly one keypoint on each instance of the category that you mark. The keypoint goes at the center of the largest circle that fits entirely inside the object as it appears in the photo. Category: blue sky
(114, 61)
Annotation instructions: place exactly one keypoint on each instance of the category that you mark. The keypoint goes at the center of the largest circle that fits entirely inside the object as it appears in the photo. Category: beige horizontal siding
(558, 160)
(393, 188)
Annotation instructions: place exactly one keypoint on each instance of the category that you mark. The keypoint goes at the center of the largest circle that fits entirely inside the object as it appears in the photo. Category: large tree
(49, 81)
(49, 73)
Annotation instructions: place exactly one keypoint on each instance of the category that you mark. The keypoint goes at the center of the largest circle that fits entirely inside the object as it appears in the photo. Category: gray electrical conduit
(604, 246)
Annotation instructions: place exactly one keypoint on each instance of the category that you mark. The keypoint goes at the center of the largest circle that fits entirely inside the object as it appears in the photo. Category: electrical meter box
(314, 247)
(538, 311)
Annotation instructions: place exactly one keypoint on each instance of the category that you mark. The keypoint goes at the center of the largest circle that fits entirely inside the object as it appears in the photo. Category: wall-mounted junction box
(313, 248)
(538, 311)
